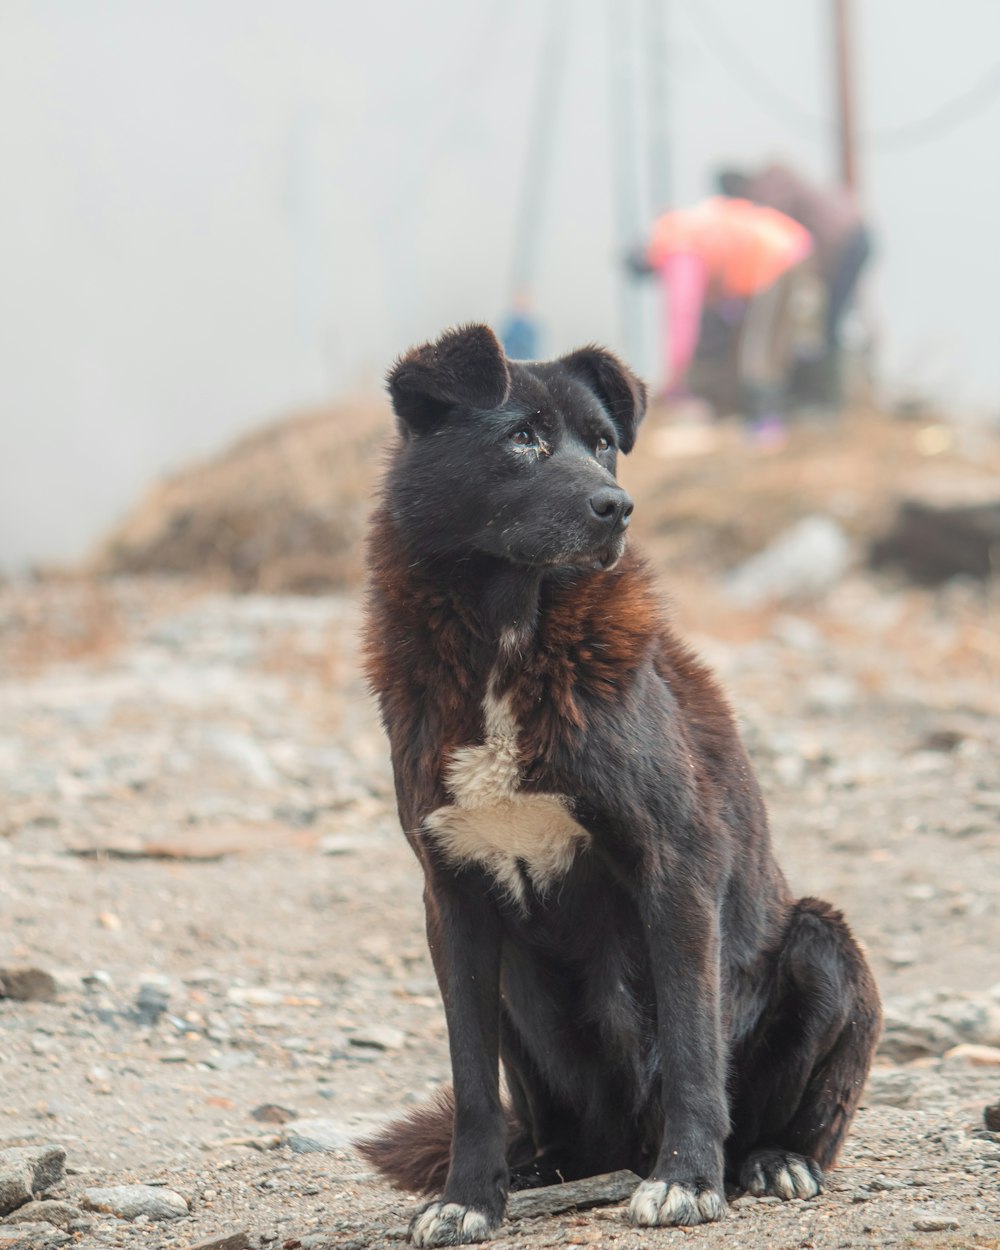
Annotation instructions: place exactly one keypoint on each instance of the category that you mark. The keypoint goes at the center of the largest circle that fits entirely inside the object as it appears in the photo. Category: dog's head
(512, 460)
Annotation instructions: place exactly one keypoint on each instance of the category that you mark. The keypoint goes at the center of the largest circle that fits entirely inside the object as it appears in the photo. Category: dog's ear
(621, 393)
(466, 367)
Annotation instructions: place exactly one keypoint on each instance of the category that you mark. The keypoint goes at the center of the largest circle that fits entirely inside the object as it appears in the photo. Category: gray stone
(906, 1039)
(379, 1037)
(47, 1163)
(128, 1202)
(27, 984)
(803, 562)
(309, 1136)
(28, 1170)
(228, 1061)
(237, 1240)
(30, 1236)
(47, 1210)
(934, 1224)
(15, 1184)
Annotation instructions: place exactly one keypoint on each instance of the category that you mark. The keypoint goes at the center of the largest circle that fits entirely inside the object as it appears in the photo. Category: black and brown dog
(604, 910)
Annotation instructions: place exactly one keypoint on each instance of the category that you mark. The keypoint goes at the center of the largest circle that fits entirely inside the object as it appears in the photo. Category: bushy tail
(415, 1152)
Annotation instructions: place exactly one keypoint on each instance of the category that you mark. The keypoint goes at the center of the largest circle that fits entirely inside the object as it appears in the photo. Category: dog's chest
(517, 836)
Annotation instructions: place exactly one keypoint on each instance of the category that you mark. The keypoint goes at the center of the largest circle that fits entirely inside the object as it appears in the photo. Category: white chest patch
(492, 822)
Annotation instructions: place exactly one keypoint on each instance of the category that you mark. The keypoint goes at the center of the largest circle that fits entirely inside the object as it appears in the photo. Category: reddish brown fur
(663, 1003)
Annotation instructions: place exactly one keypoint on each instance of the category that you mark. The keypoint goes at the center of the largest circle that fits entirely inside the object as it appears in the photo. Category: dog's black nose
(612, 506)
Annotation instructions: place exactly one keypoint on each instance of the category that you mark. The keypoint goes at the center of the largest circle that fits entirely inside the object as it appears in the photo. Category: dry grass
(283, 509)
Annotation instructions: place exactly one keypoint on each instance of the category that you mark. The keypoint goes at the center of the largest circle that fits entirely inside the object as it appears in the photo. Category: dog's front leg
(686, 1183)
(463, 930)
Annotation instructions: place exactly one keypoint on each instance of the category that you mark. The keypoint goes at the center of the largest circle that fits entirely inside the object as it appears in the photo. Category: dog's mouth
(608, 557)
(600, 560)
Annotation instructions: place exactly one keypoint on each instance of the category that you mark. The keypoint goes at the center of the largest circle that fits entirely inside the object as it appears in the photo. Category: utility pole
(542, 120)
(847, 157)
(660, 166)
(625, 164)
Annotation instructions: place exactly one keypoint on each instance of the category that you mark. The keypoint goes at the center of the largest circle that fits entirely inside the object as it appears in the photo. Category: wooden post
(847, 155)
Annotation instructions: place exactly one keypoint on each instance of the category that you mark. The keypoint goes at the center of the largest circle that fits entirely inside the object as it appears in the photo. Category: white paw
(449, 1224)
(782, 1174)
(657, 1203)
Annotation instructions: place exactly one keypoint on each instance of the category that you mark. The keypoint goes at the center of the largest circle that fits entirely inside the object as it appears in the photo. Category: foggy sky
(214, 213)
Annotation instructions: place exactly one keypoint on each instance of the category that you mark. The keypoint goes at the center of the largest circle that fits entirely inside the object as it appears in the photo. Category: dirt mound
(282, 509)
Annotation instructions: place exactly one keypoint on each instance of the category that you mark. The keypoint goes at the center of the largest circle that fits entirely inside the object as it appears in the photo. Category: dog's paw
(659, 1203)
(781, 1174)
(449, 1224)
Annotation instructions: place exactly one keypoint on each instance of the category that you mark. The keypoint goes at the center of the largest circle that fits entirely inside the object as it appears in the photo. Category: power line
(538, 150)
(756, 84)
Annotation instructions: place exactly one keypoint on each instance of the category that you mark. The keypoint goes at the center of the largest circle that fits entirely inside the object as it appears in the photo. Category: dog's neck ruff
(517, 837)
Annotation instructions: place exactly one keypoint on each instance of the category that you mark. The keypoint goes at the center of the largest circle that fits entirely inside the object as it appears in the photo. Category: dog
(604, 910)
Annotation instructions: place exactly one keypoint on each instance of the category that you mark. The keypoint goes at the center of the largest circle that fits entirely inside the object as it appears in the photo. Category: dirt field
(197, 840)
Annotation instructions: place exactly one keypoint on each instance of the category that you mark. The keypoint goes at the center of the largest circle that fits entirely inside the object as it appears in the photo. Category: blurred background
(218, 214)
(220, 223)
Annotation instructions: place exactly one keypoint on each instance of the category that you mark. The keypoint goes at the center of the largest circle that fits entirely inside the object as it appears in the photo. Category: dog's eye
(523, 438)
(602, 444)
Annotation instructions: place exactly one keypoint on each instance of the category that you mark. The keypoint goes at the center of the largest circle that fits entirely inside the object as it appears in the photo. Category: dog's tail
(415, 1152)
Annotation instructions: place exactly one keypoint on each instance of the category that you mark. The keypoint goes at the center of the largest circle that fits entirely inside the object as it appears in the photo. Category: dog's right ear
(465, 368)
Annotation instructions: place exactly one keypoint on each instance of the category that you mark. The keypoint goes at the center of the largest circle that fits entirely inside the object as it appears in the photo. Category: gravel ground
(198, 845)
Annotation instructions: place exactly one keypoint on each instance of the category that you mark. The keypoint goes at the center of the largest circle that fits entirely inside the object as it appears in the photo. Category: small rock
(271, 1141)
(23, 1236)
(308, 1136)
(884, 1184)
(978, 1056)
(47, 1210)
(272, 1113)
(27, 985)
(343, 844)
(911, 1033)
(895, 1088)
(151, 1002)
(238, 1240)
(228, 1061)
(991, 1117)
(934, 1224)
(128, 1202)
(255, 996)
(15, 1184)
(831, 692)
(98, 981)
(802, 562)
(901, 957)
(28, 1170)
(47, 1163)
(379, 1037)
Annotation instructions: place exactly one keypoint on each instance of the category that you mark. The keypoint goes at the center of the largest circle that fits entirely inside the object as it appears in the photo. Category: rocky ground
(199, 853)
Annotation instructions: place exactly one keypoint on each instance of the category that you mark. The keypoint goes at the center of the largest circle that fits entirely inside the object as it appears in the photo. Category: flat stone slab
(32, 1236)
(308, 1136)
(238, 1240)
(46, 1211)
(128, 1202)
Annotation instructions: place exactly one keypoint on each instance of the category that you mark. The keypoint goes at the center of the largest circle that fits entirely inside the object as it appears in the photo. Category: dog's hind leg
(800, 1074)
(545, 1150)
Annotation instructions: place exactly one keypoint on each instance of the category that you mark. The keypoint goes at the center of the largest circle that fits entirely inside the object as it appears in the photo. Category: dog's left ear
(621, 393)
(465, 368)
